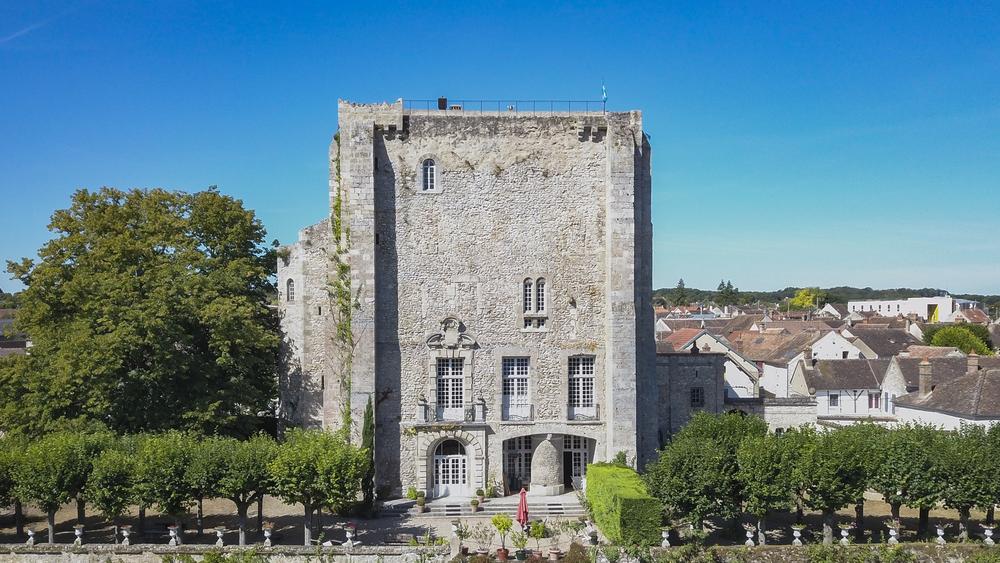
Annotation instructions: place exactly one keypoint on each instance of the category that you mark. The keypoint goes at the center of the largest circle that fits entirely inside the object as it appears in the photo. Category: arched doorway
(451, 470)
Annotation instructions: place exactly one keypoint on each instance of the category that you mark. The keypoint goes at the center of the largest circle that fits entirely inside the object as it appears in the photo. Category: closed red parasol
(522, 509)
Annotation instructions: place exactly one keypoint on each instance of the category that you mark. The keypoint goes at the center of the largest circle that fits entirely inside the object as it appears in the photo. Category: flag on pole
(604, 93)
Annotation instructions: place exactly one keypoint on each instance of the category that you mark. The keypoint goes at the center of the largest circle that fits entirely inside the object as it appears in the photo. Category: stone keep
(500, 305)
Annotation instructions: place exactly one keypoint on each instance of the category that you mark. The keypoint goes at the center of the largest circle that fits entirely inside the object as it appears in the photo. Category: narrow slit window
(529, 290)
(290, 290)
(540, 295)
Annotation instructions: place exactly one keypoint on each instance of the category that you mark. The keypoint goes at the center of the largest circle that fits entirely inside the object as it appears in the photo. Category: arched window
(540, 295)
(290, 290)
(430, 171)
(450, 447)
(529, 293)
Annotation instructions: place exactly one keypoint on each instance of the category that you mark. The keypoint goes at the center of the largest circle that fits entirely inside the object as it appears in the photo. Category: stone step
(487, 509)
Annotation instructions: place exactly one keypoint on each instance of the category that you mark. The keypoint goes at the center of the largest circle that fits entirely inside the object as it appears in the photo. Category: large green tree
(807, 298)
(148, 309)
(162, 463)
(968, 473)
(907, 474)
(962, 338)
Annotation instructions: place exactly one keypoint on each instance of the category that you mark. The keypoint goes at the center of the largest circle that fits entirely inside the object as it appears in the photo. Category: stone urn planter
(845, 530)
(664, 537)
(750, 529)
(988, 535)
(220, 531)
(268, 529)
(797, 534)
(174, 537)
(940, 528)
(893, 526)
(78, 532)
(126, 531)
(31, 537)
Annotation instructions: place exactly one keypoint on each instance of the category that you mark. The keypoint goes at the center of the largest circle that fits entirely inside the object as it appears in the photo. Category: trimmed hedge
(622, 508)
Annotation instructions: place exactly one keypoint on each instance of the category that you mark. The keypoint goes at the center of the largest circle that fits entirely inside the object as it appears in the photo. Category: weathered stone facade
(437, 278)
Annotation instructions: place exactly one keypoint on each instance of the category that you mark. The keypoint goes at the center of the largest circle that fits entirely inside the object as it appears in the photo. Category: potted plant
(483, 535)
(475, 504)
(421, 504)
(520, 541)
(503, 524)
(481, 495)
(462, 532)
(537, 531)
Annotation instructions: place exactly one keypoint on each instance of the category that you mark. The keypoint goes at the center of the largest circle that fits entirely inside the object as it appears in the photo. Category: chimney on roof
(973, 363)
(807, 355)
(924, 388)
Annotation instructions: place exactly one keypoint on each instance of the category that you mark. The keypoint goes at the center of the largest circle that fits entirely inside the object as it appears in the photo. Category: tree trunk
(859, 521)
(201, 515)
(81, 509)
(180, 532)
(241, 510)
(761, 531)
(51, 521)
(963, 524)
(19, 518)
(828, 519)
(307, 526)
(260, 513)
(894, 510)
(799, 512)
(142, 520)
(923, 521)
(990, 515)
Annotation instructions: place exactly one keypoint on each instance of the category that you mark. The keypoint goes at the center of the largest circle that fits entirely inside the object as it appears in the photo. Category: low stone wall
(151, 553)
(874, 553)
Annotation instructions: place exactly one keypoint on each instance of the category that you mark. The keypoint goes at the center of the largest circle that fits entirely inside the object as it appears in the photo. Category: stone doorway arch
(428, 454)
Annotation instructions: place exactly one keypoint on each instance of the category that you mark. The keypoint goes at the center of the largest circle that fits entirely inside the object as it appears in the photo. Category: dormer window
(429, 175)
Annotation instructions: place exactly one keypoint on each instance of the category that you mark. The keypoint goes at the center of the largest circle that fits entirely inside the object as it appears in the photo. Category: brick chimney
(808, 356)
(925, 378)
(973, 363)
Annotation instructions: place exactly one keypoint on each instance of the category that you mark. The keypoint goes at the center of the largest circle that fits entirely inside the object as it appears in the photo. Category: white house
(971, 398)
(931, 309)
(846, 391)
(777, 354)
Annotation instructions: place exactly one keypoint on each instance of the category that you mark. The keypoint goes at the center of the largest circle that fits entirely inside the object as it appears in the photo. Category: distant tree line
(727, 466)
(175, 471)
(727, 294)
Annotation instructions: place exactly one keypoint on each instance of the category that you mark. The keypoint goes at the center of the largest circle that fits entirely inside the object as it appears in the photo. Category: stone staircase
(539, 507)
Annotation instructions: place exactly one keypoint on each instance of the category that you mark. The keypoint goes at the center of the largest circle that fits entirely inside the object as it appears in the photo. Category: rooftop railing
(507, 107)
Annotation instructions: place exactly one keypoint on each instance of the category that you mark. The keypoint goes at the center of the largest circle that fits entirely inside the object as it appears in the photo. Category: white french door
(451, 471)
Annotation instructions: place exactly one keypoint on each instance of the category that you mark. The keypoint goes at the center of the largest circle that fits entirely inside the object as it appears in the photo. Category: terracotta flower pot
(502, 554)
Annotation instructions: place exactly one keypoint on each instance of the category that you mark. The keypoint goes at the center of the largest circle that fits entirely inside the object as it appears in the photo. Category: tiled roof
(943, 370)
(973, 395)
(977, 316)
(681, 337)
(795, 327)
(921, 351)
(773, 348)
(846, 374)
(885, 342)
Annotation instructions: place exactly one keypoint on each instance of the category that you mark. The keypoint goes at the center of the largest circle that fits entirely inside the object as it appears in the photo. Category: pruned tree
(696, 474)
(111, 486)
(834, 473)
(907, 474)
(162, 462)
(49, 472)
(316, 469)
(246, 477)
(205, 471)
(764, 463)
(966, 467)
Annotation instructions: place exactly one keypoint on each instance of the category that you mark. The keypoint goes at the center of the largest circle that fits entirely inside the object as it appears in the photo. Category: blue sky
(794, 143)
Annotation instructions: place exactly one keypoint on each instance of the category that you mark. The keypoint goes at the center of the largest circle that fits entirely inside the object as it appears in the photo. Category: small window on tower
(430, 171)
(290, 291)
